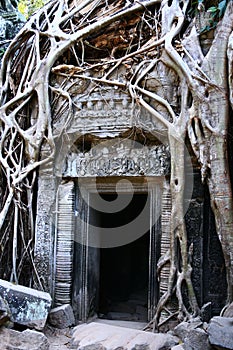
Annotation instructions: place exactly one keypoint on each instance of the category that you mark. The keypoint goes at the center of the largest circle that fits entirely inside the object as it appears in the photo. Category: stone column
(44, 235)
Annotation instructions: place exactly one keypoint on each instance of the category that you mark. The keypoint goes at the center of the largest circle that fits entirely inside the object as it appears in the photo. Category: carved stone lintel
(123, 159)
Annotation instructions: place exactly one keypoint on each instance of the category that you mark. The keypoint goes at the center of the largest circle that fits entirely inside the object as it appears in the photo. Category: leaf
(212, 9)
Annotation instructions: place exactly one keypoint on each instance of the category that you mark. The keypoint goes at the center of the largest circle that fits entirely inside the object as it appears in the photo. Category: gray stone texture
(2, 28)
(220, 332)
(193, 336)
(26, 340)
(178, 347)
(95, 336)
(44, 249)
(28, 306)
(62, 316)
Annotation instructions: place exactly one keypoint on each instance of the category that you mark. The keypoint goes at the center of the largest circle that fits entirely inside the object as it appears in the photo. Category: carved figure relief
(121, 159)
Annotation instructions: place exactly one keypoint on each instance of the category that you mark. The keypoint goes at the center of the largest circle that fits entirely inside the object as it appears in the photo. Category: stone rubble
(28, 307)
(193, 335)
(27, 340)
(59, 339)
(62, 317)
(58, 334)
(220, 331)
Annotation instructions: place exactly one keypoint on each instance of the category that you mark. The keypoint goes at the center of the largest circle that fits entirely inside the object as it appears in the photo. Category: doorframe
(84, 187)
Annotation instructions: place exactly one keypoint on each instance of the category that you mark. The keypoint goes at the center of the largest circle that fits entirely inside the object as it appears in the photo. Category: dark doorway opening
(97, 265)
(124, 270)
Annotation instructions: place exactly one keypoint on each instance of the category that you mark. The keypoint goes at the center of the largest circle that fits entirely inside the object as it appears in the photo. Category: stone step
(125, 324)
(102, 336)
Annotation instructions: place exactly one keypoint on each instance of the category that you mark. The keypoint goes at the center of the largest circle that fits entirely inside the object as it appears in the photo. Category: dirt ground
(59, 339)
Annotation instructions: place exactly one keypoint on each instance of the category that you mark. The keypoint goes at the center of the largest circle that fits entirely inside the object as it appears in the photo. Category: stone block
(193, 336)
(220, 332)
(28, 339)
(96, 336)
(62, 316)
(27, 306)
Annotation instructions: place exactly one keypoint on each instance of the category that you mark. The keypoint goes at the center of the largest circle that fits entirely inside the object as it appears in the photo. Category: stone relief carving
(118, 160)
(106, 112)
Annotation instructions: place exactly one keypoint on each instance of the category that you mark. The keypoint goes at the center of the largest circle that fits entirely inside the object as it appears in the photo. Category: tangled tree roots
(68, 42)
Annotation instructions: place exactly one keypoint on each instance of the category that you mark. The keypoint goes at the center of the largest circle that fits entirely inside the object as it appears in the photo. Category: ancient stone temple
(101, 255)
(89, 137)
(103, 219)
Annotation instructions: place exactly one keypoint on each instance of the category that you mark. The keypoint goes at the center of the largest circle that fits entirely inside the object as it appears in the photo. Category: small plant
(216, 13)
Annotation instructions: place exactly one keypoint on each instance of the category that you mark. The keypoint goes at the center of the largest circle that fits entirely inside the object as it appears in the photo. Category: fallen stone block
(98, 336)
(62, 316)
(193, 336)
(220, 332)
(28, 339)
(27, 306)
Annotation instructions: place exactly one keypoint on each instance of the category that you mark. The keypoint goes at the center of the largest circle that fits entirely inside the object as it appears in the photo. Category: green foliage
(218, 11)
(216, 8)
(28, 7)
(2, 51)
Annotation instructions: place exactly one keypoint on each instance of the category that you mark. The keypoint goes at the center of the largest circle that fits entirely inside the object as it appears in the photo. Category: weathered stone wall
(209, 275)
(194, 225)
(44, 235)
(11, 21)
(150, 161)
(111, 114)
(214, 273)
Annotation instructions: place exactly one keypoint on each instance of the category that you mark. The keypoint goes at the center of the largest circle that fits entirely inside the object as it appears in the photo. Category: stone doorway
(119, 281)
(124, 270)
(124, 275)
